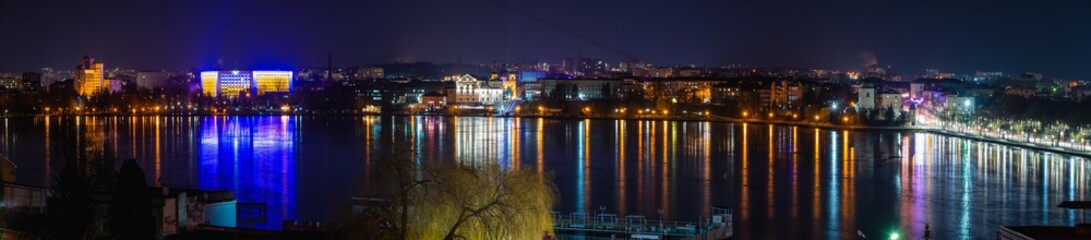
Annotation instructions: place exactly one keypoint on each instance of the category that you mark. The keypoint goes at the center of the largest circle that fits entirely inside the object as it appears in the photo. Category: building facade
(153, 80)
(241, 83)
(471, 91)
(582, 89)
(89, 77)
(890, 99)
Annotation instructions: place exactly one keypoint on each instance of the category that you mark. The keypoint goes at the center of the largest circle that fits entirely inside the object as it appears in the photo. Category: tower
(866, 97)
(329, 66)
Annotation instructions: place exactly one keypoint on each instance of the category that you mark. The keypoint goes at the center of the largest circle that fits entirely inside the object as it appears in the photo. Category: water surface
(783, 182)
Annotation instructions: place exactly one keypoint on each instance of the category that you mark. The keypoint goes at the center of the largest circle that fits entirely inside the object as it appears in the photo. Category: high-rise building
(32, 81)
(237, 83)
(9, 82)
(585, 66)
(153, 80)
(89, 77)
(48, 76)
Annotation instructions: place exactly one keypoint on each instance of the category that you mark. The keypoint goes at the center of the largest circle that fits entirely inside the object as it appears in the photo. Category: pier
(611, 226)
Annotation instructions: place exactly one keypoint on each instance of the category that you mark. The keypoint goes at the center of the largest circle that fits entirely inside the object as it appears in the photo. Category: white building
(532, 91)
(960, 103)
(489, 95)
(466, 89)
(470, 91)
(890, 99)
(916, 90)
(866, 97)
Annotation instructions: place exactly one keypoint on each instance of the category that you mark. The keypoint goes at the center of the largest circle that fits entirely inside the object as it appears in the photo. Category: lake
(782, 182)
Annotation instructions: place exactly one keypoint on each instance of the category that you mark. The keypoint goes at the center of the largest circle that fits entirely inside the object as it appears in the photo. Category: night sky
(1051, 37)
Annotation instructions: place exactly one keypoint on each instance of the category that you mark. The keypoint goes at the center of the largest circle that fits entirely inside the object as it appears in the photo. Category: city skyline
(956, 37)
(613, 68)
(563, 119)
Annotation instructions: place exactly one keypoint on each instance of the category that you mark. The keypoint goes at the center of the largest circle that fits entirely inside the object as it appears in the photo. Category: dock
(579, 225)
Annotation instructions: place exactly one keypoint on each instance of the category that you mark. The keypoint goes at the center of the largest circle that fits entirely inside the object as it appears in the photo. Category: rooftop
(1042, 232)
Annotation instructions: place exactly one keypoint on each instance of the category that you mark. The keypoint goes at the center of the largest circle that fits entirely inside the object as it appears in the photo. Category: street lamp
(660, 219)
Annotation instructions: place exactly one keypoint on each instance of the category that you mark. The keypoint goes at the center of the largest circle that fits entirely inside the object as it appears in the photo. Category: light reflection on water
(820, 183)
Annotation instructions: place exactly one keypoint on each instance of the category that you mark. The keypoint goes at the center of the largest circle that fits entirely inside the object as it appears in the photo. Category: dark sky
(1052, 37)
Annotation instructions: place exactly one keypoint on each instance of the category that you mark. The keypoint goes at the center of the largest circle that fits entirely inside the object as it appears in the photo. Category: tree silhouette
(131, 209)
(70, 207)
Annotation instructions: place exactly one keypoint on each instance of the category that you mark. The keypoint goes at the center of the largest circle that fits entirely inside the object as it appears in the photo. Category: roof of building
(434, 94)
(1075, 204)
(7, 167)
(4, 159)
(1047, 232)
(873, 80)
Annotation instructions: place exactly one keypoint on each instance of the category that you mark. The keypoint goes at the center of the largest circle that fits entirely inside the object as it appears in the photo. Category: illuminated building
(532, 91)
(466, 89)
(237, 83)
(511, 90)
(370, 73)
(10, 82)
(112, 85)
(582, 89)
(209, 85)
(531, 76)
(272, 81)
(434, 100)
(470, 91)
(89, 79)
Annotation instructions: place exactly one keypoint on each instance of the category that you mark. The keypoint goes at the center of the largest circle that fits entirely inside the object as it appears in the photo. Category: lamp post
(660, 219)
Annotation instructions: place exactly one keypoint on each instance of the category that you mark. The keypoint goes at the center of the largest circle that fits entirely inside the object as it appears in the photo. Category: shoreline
(1034, 146)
